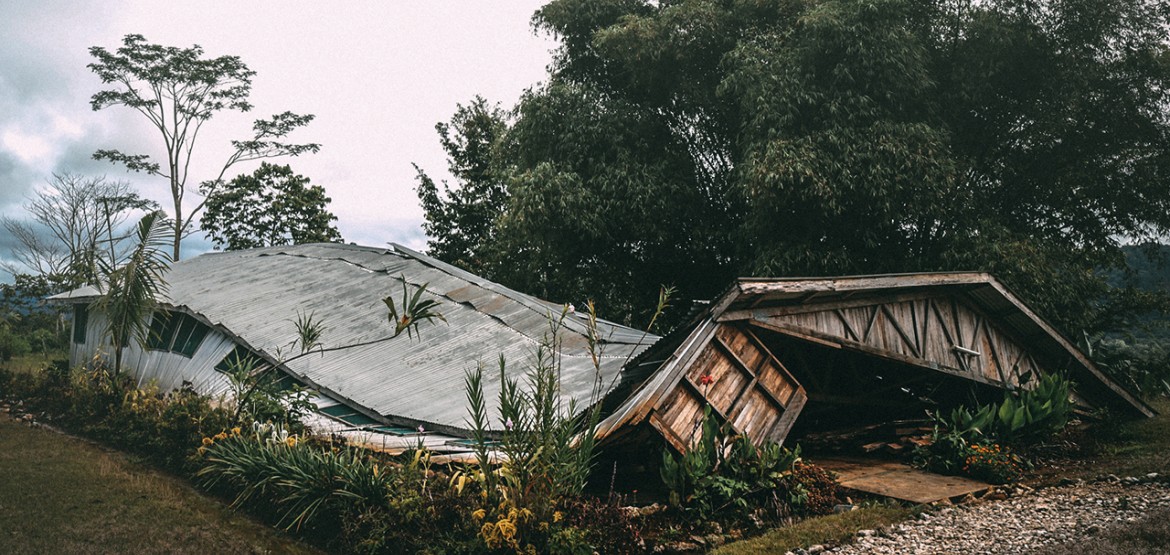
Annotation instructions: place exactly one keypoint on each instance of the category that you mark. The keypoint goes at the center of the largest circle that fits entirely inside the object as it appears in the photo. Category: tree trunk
(178, 237)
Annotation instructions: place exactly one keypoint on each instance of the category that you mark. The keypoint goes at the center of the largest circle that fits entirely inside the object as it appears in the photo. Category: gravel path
(1021, 524)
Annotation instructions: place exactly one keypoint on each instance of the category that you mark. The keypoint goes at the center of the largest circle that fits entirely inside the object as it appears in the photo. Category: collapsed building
(771, 357)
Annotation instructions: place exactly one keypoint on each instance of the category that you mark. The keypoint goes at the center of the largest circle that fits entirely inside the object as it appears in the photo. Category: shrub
(728, 475)
(993, 464)
(603, 526)
(976, 442)
(547, 448)
(819, 490)
(12, 345)
(1023, 416)
(163, 427)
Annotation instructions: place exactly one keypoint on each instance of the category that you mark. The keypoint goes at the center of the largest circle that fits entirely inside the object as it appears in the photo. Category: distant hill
(1149, 270)
(1149, 267)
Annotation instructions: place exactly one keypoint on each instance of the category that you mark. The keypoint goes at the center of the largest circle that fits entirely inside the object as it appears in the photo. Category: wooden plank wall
(939, 332)
(742, 382)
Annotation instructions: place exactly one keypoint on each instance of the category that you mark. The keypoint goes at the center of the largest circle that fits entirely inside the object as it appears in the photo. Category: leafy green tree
(178, 90)
(704, 139)
(461, 221)
(272, 206)
(129, 292)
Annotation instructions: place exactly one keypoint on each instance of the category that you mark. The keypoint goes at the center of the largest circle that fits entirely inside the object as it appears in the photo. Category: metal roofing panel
(256, 295)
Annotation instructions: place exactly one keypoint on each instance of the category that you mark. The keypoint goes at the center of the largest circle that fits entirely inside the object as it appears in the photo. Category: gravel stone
(1029, 520)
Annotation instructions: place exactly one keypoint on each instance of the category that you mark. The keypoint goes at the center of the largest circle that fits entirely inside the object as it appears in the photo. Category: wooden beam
(667, 433)
(901, 332)
(812, 336)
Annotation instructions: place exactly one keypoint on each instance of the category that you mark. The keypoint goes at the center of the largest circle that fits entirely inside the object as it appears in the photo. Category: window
(80, 321)
(238, 357)
(268, 376)
(175, 332)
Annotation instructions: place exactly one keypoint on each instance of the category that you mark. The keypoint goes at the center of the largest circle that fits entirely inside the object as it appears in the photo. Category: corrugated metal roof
(256, 295)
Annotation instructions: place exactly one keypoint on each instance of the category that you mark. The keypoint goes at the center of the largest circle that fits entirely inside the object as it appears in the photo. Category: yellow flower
(236, 431)
(221, 435)
(557, 516)
(489, 535)
(507, 529)
(478, 514)
(291, 441)
(208, 441)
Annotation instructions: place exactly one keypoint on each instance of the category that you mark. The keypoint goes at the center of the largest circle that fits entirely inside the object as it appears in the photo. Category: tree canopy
(178, 90)
(689, 141)
(272, 206)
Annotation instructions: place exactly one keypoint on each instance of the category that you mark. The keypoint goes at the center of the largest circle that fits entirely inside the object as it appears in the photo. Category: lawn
(59, 494)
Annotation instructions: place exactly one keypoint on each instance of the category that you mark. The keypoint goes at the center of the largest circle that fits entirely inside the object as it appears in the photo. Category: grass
(827, 529)
(33, 362)
(59, 494)
(1138, 447)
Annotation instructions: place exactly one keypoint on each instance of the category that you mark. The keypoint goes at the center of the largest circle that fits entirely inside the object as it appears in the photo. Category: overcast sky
(378, 76)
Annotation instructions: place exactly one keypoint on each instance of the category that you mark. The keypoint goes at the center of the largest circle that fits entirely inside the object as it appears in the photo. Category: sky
(377, 75)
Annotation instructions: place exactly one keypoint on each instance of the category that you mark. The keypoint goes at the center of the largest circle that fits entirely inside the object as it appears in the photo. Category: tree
(1028, 139)
(178, 91)
(75, 220)
(462, 220)
(272, 206)
(130, 291)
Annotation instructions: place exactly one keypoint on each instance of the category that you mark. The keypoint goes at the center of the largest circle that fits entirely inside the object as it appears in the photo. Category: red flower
(706, 379)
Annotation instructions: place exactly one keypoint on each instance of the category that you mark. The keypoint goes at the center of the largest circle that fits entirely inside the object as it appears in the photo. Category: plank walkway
(899, 480)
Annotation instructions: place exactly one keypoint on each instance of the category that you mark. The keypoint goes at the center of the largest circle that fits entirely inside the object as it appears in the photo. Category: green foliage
(531, 497)
(415, 310)
(272, 206)
(546, 444)
(1141, 365)
(11, 344)
(371, 503)
(978, 442)
(27, 324)
(461, 221)
(164, 427)
(1022, 417)
(261, 395)
(832, 137)
(727, 474)
(309, 331)
(178, 90)
(129, 291)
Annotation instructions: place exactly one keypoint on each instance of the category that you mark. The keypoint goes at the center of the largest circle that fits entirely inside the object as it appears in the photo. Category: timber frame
(764, 349)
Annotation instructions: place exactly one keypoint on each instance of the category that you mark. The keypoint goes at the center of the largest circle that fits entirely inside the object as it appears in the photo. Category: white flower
(508, 424)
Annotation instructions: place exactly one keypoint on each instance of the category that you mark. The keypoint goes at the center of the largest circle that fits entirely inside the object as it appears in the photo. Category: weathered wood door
(742, 382)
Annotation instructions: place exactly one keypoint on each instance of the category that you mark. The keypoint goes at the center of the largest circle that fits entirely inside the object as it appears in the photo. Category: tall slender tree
(178, 90)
